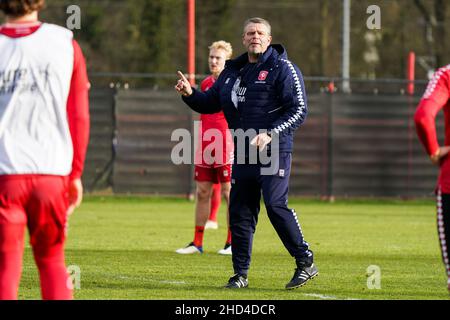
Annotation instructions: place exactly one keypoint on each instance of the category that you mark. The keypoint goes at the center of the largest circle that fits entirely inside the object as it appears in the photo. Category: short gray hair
(258, 20)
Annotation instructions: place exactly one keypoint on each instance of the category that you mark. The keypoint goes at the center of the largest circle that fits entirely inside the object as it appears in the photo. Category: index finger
(182, 76)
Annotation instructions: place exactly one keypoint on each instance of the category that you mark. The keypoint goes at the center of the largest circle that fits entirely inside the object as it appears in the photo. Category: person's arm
(435, 98)
(292, 99)
(201, 102)
(78, 119)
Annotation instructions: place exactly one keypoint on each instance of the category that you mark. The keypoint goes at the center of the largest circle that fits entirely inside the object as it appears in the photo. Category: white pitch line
(321, 296)
(172, 282)
(153, 280)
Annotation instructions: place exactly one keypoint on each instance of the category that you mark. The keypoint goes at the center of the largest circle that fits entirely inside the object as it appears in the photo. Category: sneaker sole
(188, 253)
(301, 285)
(234, 288)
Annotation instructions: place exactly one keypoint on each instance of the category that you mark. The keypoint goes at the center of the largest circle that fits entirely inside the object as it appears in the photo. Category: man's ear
(270, 39)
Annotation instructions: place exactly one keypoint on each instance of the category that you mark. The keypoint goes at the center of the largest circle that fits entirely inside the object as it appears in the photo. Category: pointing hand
(183, 86)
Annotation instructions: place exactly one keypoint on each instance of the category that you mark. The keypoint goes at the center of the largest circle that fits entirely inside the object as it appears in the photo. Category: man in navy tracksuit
(263, 92)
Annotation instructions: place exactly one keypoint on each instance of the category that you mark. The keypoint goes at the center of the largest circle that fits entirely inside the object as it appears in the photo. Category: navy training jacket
(268, 95)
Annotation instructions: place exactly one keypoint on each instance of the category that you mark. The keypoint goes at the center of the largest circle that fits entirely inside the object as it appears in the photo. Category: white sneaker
(211, 225)
(190, 249)
(226, 251)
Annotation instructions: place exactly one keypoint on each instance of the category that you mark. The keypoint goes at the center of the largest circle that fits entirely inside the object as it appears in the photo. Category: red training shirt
(213, 121)
(436, 98)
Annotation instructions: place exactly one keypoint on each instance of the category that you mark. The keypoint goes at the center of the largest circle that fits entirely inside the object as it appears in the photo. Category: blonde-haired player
(216, 169)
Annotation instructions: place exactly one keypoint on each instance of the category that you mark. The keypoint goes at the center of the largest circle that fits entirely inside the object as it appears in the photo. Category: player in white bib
(44, 133)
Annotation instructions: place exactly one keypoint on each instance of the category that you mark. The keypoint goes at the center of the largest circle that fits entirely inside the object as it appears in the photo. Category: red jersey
(215, 120)
(436, 98)
(207, 154)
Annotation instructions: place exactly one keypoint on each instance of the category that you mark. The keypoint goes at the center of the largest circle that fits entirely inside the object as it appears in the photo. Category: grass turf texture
(125, 247)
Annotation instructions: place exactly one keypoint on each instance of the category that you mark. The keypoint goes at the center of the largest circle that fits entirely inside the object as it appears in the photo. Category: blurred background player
(217, 169)
(436, 98)
(216, 199)
(44, 132)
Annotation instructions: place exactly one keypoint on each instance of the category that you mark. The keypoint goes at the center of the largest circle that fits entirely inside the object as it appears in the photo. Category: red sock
(55, 281)
(198, 236)
(229, 236)
(215, 202)
(11, 251)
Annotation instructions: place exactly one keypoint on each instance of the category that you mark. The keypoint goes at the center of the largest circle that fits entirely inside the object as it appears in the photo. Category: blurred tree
(324, 39)
(214, 21)
(150, 35)
(433, 16)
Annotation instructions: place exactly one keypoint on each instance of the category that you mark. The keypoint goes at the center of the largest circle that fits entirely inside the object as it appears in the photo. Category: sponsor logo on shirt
(238, 93)
(24, 80)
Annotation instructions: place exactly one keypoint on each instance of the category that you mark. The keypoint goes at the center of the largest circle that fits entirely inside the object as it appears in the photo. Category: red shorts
(220, 174)
(38, 201)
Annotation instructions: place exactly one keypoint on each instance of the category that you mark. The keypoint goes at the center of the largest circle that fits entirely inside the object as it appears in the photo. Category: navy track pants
(246, 186)
(443, 224)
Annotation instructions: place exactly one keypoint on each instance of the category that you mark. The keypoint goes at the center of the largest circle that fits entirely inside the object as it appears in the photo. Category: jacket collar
(272, 53)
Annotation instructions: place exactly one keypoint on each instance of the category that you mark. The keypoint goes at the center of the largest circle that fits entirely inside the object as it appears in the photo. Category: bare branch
(423, 10)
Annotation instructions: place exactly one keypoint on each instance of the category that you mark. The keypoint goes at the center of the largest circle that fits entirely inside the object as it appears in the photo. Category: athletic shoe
(226, 251)
(191, 248)
(237, 281)
(302, 275)
(210, 224)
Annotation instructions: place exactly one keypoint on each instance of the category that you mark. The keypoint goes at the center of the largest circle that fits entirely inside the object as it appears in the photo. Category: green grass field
(125, 250)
